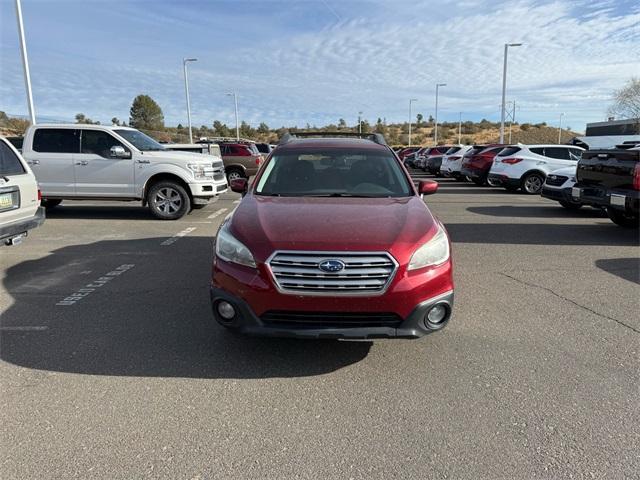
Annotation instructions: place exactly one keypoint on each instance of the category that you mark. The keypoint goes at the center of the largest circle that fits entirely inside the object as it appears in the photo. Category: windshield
(142, 142)
(334, 172)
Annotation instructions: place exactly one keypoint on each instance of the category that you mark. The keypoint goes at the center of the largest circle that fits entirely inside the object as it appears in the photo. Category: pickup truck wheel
(234, 174)
(624, 219)
(50, 204)
(532, 183)
(571, 205)
(168, 201)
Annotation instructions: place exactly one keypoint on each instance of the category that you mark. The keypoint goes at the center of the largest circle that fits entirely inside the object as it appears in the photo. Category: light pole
(186, 91)
(235, 103)
(360, 123)
(411, 100)
(25, 63)
(460, 129)
(560, 129)
(504, 87)
(435, 130)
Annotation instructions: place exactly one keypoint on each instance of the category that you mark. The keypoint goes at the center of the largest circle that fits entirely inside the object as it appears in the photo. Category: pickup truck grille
(362, 273)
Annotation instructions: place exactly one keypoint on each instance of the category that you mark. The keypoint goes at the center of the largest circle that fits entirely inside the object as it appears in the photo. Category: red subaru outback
(332, 240)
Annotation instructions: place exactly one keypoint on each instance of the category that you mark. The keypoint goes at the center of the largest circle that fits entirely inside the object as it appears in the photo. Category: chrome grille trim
(365, 273)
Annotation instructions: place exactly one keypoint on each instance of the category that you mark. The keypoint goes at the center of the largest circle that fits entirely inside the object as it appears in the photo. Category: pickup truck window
(56, 140)
(99, 143)
(9, 162)
(142, 142)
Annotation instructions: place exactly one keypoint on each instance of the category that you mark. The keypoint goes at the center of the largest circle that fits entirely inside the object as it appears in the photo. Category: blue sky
(315, 61)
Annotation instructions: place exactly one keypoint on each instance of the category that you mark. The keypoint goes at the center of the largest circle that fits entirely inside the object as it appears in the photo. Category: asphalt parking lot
(112, 366)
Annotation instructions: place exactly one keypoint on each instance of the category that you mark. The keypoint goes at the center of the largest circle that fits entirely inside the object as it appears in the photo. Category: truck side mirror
(119, 152)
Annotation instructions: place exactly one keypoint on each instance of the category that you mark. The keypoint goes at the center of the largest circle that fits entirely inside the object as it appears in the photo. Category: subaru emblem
(331, 266)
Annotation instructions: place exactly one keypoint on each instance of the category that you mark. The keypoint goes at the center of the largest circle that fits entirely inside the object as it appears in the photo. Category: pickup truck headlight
(434, 252)
(229, 248)
(201, 171)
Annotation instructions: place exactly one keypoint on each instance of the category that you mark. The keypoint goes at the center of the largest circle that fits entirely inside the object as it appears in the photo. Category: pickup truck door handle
(83, 162)
(143, 161)
(34, 162)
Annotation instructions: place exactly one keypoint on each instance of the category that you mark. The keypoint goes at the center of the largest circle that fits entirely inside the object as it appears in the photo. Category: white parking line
(217, 213)
(177, 236)
(89, 288)
(23, 329)
(236, 201)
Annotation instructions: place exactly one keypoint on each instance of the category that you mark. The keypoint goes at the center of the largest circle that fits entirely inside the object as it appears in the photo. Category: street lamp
(235, 103)
(435, 130)
(560, 129)
(360, 123)
(504, 87)
(411, 100)
(25, 63)
(186, 90)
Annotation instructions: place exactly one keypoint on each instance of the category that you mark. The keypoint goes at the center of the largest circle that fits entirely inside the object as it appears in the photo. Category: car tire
(168, 200)
(624, 219)
(50, 204)
(481, 182)
(570, 205)
(235, 174)
(532, 183)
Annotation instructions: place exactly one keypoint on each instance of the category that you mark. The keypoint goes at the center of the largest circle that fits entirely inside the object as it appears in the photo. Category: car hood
(566, 171)
(395, 225)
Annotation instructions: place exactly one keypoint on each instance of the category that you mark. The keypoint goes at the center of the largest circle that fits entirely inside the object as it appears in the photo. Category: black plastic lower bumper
(247, 322)
(474, 173)
(557, 194)
(498, 180)
(14, 229)
(617, 199)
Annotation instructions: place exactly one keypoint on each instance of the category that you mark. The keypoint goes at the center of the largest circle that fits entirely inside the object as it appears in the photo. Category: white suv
(20, 209)
(527, 166)
(97, 162)
(452, 161)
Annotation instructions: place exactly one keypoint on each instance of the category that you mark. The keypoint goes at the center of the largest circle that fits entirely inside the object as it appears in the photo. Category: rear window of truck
(56, 140)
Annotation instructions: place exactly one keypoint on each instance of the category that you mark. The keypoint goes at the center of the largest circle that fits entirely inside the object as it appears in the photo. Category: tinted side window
(575, 154)
(9, 162)
(99, 143)
(56, 140)
(538, 151)
(509, 151)
(557, 152)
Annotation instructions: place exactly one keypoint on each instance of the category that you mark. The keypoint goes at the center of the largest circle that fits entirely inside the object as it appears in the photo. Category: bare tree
(626, 101)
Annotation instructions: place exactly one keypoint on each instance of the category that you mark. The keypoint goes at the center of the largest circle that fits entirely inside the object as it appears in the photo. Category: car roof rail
(374, 137)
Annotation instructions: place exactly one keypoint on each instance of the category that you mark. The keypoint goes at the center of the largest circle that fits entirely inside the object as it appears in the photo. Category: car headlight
(200, 171)
(434, 252)
(229, 248)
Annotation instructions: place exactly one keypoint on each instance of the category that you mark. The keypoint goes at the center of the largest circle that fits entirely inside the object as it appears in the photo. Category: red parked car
(407, 151)
(477, 162)
(332, 240)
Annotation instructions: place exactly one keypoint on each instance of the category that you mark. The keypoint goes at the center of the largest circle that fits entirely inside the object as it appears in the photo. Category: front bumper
(247, 322)
(258, 303)
(14, 229)
(208, 189)
(557, 194)
(501, 180)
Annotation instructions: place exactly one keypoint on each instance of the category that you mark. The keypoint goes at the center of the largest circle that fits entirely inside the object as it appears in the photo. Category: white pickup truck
(97, 162)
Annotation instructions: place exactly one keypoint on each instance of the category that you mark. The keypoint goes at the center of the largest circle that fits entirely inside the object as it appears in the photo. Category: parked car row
(568, 174)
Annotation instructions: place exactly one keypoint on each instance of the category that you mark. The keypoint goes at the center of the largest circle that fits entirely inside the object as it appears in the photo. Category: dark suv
(332, 240)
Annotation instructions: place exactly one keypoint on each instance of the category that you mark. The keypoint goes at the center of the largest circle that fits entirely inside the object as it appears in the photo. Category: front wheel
(234, 174)
(624, 219)
(50, 204)
(570, 205)
(168, 201)
(532, 183)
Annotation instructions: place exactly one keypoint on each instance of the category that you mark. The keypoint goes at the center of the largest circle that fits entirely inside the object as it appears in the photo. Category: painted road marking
(23, 329)
(178, 236)
(217, 213)
(89, 288)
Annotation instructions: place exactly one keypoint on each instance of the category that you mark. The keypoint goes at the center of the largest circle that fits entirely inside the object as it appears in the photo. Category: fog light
(226, 310)
(437, 314)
